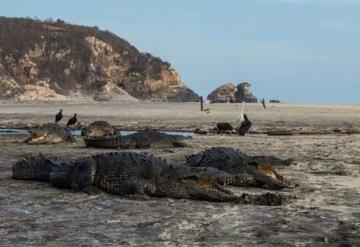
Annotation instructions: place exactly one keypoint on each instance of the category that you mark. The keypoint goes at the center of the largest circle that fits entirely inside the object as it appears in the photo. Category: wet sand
(327, 167)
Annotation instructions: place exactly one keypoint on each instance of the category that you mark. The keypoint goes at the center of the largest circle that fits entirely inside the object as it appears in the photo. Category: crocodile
(247, 170)
(50, 133)
(135, 175)
(224, 127)
(143, 139)
(98, 129)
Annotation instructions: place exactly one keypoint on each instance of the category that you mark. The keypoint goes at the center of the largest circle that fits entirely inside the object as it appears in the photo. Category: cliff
(56, 60)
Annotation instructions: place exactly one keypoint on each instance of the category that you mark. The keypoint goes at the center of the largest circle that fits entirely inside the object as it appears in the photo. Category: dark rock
(223, 94)
(243, 93)
(224, 127)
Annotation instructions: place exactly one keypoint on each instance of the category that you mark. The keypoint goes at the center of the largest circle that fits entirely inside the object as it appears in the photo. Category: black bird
(72, 120)
(245, 126)
(58, 116)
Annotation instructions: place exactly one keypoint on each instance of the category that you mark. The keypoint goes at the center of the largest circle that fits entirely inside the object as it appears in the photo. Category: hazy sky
(292, 50)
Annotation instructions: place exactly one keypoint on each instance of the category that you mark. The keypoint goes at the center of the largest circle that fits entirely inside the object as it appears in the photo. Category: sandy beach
(181, 116)
(324, 212)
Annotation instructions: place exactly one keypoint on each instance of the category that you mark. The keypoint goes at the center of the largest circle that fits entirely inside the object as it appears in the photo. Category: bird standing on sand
(263, 103)
(58, 116)
(72, 120)
(245, 126)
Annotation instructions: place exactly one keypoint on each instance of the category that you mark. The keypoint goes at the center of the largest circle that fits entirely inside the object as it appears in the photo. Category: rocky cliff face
(55, 60)
(232, 93)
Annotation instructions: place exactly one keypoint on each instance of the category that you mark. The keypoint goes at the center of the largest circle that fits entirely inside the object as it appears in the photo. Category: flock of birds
(71, 121)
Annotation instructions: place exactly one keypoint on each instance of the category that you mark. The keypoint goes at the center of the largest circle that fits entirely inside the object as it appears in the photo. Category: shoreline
(297, 119)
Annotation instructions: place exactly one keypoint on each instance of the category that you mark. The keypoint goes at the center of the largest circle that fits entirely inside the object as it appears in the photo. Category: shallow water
(14, 132)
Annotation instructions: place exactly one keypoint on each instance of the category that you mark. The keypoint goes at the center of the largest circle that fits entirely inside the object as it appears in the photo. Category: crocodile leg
(83, 175)
(133, 186)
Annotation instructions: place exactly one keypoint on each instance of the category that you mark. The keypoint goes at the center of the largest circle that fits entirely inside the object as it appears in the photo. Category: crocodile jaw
(37, 138)
(211, 191)
(44, 138)
(266, 175)
(201, 189)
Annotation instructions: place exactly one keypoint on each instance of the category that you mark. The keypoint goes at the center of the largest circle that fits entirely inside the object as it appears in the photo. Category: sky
(298, 51)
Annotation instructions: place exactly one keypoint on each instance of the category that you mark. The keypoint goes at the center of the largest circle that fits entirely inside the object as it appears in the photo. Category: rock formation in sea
(53, 60)
(243, 93)
(231, 93)
(223, 94)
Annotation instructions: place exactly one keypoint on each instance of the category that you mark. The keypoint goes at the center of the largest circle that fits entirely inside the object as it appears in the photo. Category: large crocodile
(144, 139)
(50, 133)
(98, 129)
(247, 170)
(131, 174)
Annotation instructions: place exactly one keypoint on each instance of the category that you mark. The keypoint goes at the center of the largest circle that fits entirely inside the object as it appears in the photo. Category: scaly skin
(50, 133)
(128, 173)
(247, 171)
(98, 129)
(148, 139)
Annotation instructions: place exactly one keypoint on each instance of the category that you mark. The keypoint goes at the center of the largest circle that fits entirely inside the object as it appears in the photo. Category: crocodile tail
(83, 174)
(32, 168)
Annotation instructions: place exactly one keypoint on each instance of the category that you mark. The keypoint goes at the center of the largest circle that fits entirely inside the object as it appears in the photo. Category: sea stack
(243, 93)
(230, 93)
(223, 94)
